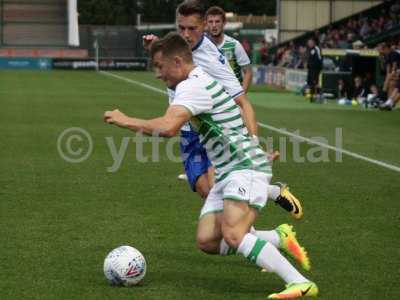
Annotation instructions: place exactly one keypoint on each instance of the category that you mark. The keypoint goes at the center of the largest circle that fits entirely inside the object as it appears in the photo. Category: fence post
(96, 51)
(2, 22)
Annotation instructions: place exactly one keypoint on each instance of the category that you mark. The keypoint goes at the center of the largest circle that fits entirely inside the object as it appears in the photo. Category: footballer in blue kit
(194, 157)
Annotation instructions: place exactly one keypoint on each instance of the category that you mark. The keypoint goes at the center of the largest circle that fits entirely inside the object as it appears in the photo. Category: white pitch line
(281, 131)
(147, 86)
(336, 149)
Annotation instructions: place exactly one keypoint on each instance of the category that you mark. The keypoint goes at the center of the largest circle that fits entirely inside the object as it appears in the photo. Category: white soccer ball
(124, 265)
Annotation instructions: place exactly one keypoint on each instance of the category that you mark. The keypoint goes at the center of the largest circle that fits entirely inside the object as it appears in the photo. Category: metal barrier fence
(113, 41)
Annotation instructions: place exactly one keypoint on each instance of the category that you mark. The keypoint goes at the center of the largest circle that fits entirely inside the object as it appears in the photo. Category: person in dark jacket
(314, 66)
(359, 90)
(343, 90)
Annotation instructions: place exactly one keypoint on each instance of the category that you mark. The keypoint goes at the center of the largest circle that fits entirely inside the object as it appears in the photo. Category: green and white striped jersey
(207, 56)
(217, 119)
(235, 54)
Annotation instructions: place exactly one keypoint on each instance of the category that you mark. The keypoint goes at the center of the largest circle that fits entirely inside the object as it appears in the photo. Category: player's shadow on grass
(213, 274)
(219, 283)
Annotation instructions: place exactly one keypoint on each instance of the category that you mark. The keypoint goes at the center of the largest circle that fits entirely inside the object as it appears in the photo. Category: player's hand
(271, 156)
(116, 117)
(148, 39)
(255, 141)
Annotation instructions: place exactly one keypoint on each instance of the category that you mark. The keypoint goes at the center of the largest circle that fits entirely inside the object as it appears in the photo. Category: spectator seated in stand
(343, 93)
(350, 35)
(375, 97)
(359, 90)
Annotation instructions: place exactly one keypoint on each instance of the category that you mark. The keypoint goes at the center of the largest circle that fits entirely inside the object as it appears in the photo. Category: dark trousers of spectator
(312, 81)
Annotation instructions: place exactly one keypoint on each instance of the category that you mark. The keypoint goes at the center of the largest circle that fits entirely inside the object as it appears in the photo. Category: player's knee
(203, 193)
(232, 237)
(206, 245)
(202, 188)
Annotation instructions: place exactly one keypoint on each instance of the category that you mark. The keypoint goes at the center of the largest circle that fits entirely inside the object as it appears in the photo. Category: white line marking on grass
(281, 131)
(147, 86)
(340, 150)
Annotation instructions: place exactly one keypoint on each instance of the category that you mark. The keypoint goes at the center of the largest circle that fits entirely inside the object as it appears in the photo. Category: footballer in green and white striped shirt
(243, 172)
(230, 47)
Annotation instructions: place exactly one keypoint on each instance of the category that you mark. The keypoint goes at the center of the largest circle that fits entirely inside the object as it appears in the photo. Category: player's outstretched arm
(168, 125)
(247, 77)
(248, 114)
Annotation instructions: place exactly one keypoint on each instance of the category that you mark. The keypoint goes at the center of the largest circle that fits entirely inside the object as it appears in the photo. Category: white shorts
(243, 185)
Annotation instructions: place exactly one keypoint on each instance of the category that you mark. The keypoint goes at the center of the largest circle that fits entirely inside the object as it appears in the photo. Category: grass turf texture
(59, 220)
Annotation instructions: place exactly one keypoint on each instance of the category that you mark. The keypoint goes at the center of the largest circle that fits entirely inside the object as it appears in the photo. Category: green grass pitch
(58, 220)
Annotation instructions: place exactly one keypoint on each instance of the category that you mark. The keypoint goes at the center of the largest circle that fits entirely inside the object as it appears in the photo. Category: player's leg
(280, 194)
(196, 163)
(209, 233)
(392, 83)
(311, 83)
(205, 181)
(209, 236)
(394, 97)
(211, 177)
(238, 217)
(284, 238)
(308, 92)
(395, 94)
(200, 175)
(318, 88)
(314, 85)
(201, 185)
(236, 221)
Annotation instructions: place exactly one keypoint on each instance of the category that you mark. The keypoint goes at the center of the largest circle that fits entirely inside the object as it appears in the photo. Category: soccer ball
(125, 266)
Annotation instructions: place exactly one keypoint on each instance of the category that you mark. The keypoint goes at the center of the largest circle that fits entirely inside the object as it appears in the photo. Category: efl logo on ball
(125, 266)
